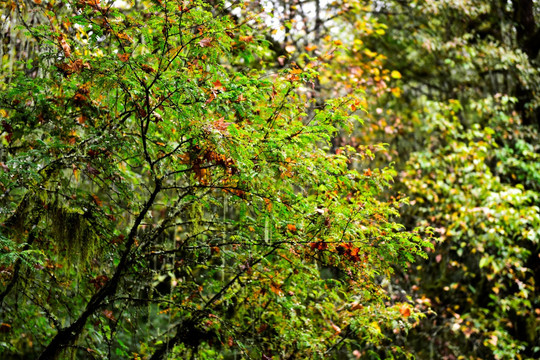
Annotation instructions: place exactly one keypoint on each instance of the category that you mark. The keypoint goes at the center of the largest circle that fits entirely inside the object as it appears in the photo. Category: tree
(464, 135)
(164, 193)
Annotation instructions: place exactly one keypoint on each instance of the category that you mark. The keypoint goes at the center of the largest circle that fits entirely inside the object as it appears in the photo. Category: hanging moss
(72, 230)
(24, 217)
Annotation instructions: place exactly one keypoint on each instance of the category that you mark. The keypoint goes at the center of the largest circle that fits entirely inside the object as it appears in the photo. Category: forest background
(270, 179)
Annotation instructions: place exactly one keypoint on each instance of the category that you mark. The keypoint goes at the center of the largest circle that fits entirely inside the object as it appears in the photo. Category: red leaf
(118, 240)
(262, 328)
(92, 170)
(99, 281)
(321, 245)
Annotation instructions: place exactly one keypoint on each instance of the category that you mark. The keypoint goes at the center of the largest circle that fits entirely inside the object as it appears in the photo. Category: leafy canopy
(165, 192)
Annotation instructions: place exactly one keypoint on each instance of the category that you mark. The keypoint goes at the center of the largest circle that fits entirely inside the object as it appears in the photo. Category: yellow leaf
(375, 327)
(395, 74)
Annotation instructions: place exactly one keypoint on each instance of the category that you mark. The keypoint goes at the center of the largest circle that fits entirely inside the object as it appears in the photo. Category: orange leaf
(336, 328)
(211, 98)
(97, 200)
(205, 42)
(123, 57)
(218, 85)
(109, 314)
(296, 71)
(275, 288)
(247, 39)
(405, 310)
(65, 46)
(268, 204)
(291, 227)
(147, 69)
(221, 125)
(292, 77)
(124, 37)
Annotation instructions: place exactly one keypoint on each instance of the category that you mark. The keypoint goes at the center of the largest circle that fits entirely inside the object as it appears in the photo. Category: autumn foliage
(270, 180)
(177, 193)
